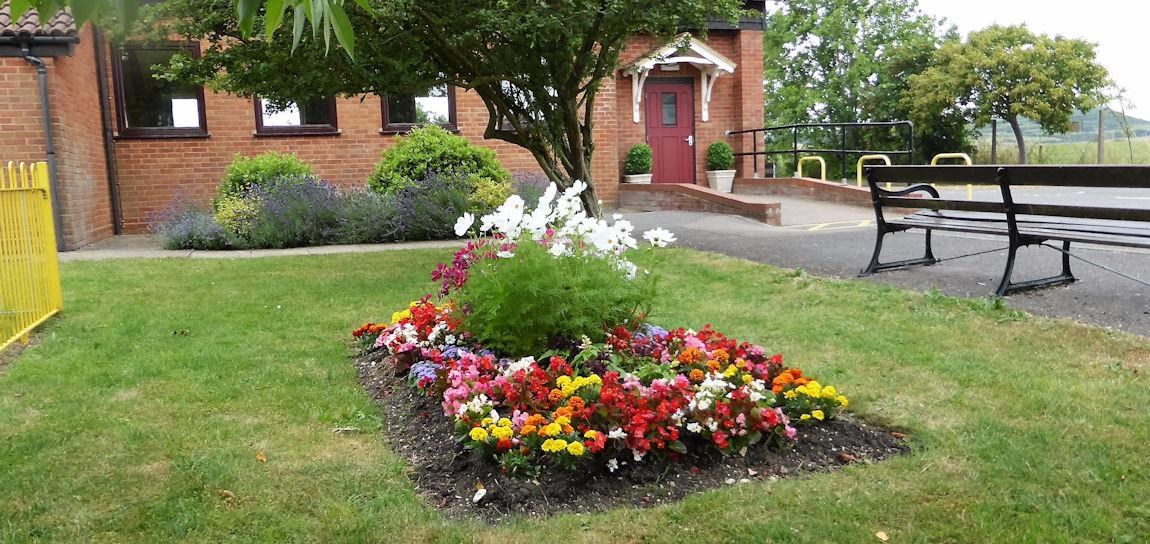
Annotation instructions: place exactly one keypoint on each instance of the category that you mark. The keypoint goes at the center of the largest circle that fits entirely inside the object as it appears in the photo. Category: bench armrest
(879, 191)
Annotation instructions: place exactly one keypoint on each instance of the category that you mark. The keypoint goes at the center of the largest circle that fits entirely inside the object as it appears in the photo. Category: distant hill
(1085, 128)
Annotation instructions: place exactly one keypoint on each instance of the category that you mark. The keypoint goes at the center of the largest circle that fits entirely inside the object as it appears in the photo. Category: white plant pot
(637, 178)
(721, 180)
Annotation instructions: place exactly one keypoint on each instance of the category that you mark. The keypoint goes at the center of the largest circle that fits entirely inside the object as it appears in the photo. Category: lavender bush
(367, 217)
(529, 186)
(427, 208)
(297, 210)
(186, 226)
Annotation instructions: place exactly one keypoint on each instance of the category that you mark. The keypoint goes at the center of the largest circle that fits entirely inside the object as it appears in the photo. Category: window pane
(314, 112)
(431, 107)
(155, 103)
(670, 110)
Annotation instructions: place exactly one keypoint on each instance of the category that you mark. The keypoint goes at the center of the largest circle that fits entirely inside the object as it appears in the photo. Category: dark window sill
(300, 131)
(160, 134)
(392, 130)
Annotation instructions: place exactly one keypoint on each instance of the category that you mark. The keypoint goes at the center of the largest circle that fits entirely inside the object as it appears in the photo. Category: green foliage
(261, 170)
(238, 214)
(530, 303)
(848, 61)
(720, 156)
(367, 217)
(638, 160)
(433, 149)
(1008, 72)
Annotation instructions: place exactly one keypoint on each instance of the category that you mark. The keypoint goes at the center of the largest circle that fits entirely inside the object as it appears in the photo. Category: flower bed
(601, 390)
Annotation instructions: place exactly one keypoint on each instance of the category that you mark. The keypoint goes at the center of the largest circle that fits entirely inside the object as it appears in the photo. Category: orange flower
(721, 355)
(504, 444)
(565, 411)
(535, 420)
(690, 355)
(527, 429)
(568, 429)
(555, 395)
(801, 381)
(576, 403)
(714, 365)
(697, 375)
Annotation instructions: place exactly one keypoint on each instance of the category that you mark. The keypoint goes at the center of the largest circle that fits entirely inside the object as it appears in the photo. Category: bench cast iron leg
(1006, 287)
(876, 266)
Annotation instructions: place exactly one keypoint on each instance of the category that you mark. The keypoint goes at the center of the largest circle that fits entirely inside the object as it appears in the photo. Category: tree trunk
(1013, 120)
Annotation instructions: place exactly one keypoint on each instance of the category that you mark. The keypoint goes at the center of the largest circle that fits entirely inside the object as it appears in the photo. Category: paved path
(842, 249)
(145, 246)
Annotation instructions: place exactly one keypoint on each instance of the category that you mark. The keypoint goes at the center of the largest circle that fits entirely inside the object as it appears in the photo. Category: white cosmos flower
(463, 224)
(659, 237)
(505, 254)
(558, 249)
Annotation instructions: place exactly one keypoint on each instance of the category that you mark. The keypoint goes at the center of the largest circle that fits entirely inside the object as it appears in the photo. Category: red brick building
(122, 145)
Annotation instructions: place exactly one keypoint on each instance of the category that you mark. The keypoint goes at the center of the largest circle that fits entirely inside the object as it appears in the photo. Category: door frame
(688, 82)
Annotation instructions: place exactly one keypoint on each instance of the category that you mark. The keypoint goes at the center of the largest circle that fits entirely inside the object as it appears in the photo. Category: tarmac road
(842, 249)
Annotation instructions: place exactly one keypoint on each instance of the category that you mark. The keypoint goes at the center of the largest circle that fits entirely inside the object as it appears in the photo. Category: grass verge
(140, 416)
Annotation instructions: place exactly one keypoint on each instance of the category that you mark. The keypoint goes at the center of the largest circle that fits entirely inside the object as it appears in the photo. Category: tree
(1009, 72)
(537, 66)
(848, 61)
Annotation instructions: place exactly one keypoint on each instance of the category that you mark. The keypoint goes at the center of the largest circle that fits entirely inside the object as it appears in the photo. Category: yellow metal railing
(822, 165)
(964, 158)
(29, 269)
(866, 158)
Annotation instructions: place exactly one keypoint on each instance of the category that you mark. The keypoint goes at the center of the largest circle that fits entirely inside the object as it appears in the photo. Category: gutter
(49, 142)
(106, 123)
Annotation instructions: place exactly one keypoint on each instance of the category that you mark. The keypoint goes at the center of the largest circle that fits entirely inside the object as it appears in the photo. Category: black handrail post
(755, 154)
(795, 148)
(843, 155)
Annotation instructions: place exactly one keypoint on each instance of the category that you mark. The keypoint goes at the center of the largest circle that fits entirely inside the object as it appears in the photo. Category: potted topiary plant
(637, 165)
(720, 159)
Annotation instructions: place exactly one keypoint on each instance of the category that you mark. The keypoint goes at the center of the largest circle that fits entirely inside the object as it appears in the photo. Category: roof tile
(30, 25)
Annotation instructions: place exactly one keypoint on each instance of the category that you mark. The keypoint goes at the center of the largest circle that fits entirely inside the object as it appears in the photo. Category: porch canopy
(684, 49)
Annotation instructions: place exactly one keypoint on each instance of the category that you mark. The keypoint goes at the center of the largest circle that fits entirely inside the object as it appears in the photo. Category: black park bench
(1023, 224)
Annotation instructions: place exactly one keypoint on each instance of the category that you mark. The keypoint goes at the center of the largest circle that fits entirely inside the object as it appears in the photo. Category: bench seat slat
(1087, 233)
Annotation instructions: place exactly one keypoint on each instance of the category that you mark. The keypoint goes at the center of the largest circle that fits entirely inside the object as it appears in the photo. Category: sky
(1121, 28)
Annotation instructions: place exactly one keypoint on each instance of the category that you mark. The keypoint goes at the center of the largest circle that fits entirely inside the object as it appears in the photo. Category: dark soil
(445, 473)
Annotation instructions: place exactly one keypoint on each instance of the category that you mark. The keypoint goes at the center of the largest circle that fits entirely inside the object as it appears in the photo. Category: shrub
(238, 214)
(487, 194)
(428, 208)
(433, 149)
(298, 210)
(367, 217)
(720, 156)
(529, 186)
(260, 170)
(535, 301)
(184, 226)
(638, 160)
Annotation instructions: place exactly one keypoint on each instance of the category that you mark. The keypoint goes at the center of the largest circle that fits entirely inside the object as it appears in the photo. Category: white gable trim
(709, 62)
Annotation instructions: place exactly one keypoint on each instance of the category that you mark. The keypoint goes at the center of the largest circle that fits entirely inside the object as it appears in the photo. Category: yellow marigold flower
(730, 372)
(818, 414)
(595, 380)
(791, 394)
(740, 363)
(830, 392)
(747, 378)
(502, 432)
(562, 381)
(504, 422)
(841, 400)
(485, 421)
(575, 448)
(478, 434)
(569, 390)
(563, 420)
(591, 434)
(400, 315)
(551, 429)
(805, 417)
(552, 445)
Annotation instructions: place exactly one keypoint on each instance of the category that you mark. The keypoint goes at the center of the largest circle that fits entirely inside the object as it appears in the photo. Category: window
(670, 109)
(436, 106)
(313, 117)
(155, 108)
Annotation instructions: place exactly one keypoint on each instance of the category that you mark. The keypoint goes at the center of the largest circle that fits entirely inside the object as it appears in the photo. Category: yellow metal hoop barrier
(822, 165)
(962, 156)
(865, 158)
(29, 269)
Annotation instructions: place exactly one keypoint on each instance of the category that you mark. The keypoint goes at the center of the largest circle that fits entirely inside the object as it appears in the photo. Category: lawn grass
(121, 427)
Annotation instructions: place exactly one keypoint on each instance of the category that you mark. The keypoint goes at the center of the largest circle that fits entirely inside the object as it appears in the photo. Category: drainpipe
(106, 123)
(49, 142)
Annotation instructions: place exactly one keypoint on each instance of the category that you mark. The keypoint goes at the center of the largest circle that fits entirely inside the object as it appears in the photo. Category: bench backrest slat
(1134, 177)
(1085, 212)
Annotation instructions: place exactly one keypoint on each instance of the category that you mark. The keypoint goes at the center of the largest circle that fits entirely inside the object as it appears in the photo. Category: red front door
(671, 131)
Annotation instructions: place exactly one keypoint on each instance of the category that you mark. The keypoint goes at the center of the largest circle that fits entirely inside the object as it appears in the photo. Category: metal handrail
(822, 165)
(865, 158)
(961, 156)
(842, 151)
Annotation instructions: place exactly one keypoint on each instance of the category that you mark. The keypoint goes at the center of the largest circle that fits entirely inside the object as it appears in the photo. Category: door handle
(690, 140)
